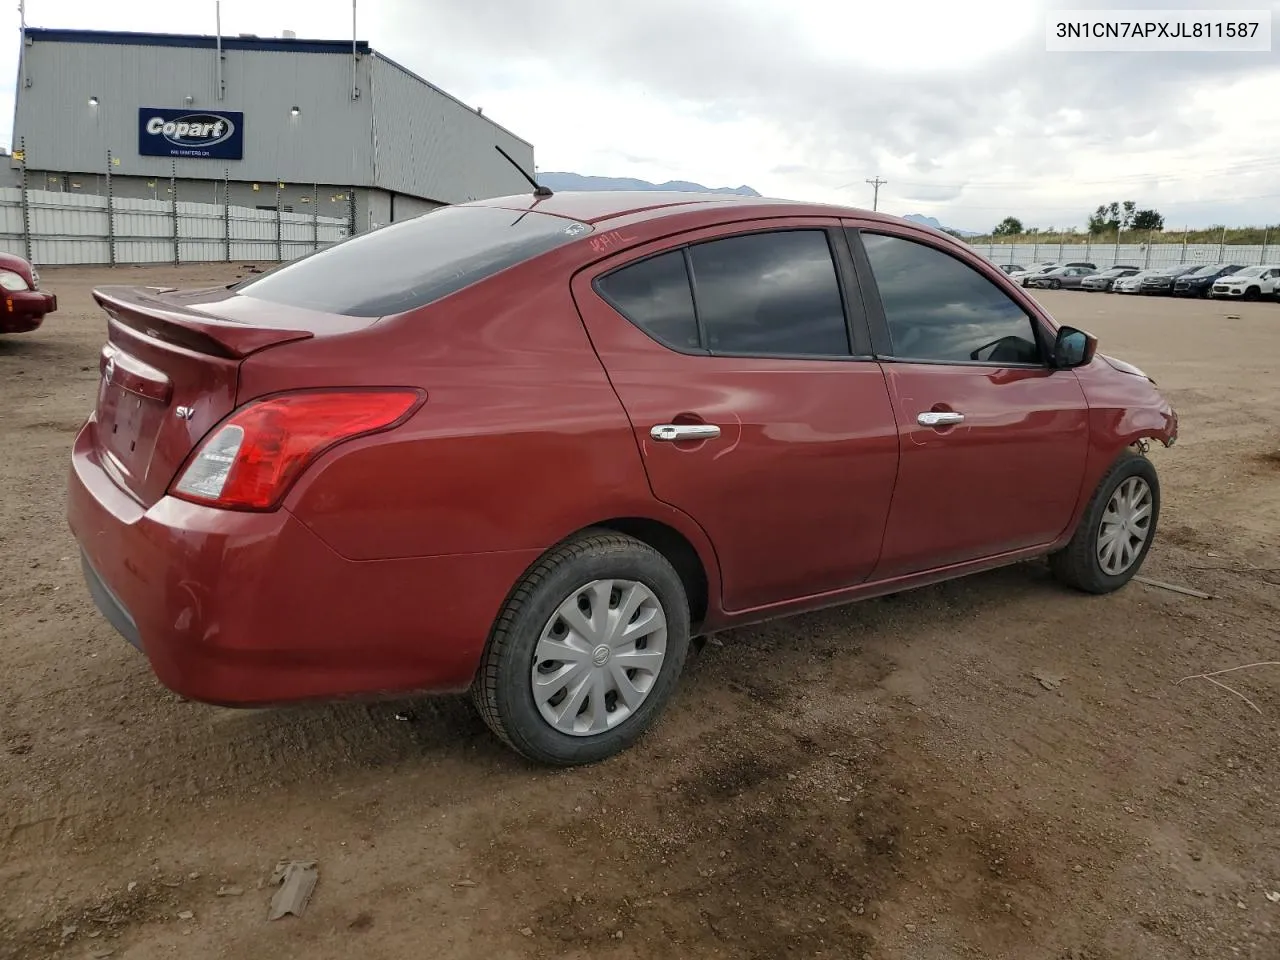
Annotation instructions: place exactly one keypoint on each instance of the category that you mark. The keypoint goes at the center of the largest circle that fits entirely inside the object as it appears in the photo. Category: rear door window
(412, 263)
(770, 294)
(655, 295)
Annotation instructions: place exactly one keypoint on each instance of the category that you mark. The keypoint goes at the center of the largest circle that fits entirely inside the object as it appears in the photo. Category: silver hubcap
(1125, 526)
(599, 656)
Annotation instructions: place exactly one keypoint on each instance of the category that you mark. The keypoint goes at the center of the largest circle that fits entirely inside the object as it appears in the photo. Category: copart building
(253, 121)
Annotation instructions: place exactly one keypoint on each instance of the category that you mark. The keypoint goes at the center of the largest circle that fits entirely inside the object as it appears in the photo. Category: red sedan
(23, 306)
(529, 447)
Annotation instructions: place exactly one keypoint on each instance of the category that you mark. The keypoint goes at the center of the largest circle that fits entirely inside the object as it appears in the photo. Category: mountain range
(921, 219)
(576, 181)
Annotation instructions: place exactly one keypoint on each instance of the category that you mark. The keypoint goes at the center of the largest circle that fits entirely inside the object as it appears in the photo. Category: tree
(1113, 216)
(1104, 218)
(1008, 227)
(1148, 220)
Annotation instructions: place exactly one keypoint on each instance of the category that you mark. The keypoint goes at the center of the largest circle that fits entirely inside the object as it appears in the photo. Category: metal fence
(51, 227)
(1145, 255)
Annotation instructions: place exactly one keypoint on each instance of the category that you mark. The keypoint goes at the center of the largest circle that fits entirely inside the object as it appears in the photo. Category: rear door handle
(671, 432)
(939, 418)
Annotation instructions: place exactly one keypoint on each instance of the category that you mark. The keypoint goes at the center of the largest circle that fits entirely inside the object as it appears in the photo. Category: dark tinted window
(770, 293)
(411, 263)
(654, 294)
(941, 309)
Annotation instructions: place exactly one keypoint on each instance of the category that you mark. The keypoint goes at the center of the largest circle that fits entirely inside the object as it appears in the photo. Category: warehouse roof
(254, 43)
(199, 41)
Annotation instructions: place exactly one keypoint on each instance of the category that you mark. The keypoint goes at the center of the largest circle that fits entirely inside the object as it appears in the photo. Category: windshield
(1113, 272)
(409, 264)
(1247, 272)
(1205, 271)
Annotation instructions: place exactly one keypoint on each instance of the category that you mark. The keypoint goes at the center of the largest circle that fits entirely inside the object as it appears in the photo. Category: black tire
(1077, 564)
(1253, 293)
(502, 690)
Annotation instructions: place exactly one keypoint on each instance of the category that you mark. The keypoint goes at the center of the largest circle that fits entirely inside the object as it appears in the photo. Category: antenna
(538, 189)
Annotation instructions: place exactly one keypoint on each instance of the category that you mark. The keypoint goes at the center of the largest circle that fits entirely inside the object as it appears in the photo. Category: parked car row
(1184, 280)
(1030, 276)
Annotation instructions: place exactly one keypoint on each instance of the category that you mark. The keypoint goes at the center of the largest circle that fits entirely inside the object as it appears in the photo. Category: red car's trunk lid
(169, 371)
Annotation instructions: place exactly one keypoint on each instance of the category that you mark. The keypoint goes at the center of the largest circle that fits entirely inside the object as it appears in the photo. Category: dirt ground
(887, 780)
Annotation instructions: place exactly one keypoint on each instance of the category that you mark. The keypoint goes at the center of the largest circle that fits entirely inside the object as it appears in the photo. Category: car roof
(600, 206)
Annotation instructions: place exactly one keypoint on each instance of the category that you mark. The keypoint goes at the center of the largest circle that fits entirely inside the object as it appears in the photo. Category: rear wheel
(1116, 531)
(586, 652)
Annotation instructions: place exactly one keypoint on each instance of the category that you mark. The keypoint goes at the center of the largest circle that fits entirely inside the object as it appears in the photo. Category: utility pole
(877, 183)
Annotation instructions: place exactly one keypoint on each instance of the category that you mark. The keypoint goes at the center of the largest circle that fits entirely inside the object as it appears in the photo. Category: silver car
(1062, 278)
(1132, 284)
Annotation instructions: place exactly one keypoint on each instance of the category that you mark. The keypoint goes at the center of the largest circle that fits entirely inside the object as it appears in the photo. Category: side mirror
(1073, 348)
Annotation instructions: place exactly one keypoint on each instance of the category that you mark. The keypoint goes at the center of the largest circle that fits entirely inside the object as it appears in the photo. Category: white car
(1132, 284)
(1248, 284)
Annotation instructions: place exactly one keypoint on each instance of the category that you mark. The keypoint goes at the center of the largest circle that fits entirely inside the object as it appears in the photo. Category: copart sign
(210, 134)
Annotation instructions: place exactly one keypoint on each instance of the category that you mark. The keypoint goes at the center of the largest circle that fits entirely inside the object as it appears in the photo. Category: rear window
(410, 264)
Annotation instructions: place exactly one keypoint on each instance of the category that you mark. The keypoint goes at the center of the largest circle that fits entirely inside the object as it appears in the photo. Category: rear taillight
(251, 459)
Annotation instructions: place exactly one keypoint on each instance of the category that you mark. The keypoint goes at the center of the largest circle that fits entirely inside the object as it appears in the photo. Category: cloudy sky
(955, 103)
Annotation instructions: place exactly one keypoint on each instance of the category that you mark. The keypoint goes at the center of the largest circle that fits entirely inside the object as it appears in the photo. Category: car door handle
(939, 418)
(685, 431)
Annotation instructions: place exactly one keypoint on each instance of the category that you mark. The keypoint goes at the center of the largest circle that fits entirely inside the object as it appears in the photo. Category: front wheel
(1116, 531)
(586, 652)
(1252, 293)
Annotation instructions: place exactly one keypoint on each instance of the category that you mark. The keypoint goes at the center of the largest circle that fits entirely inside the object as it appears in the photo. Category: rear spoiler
(143, 310)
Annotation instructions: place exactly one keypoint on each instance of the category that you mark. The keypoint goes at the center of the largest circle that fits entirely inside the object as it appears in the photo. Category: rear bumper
(24, 310)
(245, 609)
(109, 604)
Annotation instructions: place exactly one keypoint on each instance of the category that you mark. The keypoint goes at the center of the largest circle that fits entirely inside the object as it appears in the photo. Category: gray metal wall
(328, 142)
(332, 199)
(431, 145)
(406, 208)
